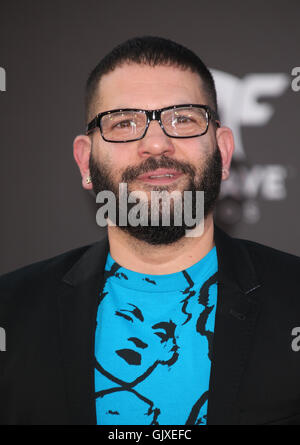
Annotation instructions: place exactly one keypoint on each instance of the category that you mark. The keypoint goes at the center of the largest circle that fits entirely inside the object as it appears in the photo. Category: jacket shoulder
(51, 269)
(268, 259)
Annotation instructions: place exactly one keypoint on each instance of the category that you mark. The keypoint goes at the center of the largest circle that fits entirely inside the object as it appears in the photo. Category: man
(156, 323)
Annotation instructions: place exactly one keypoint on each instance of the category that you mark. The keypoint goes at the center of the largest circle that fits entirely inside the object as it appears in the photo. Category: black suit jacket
(48, 311)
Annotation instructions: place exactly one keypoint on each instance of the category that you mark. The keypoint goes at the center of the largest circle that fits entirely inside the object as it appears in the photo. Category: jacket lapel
(78, 309)
(237, 309)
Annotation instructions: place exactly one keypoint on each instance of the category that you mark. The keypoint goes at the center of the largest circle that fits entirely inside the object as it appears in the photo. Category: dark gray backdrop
(47, 50)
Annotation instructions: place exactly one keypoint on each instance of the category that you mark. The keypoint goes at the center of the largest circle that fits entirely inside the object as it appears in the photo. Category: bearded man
(156, 323)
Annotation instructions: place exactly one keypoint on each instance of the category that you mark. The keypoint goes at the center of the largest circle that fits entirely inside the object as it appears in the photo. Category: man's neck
(142, 257)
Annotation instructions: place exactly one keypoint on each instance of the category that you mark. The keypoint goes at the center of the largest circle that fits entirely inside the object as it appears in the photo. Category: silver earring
(88, 180)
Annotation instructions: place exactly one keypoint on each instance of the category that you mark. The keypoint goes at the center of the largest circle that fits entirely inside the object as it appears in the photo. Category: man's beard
(209, 182)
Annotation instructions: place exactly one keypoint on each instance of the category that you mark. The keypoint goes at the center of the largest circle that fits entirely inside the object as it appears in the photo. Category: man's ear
(82, 147)
(225, 142)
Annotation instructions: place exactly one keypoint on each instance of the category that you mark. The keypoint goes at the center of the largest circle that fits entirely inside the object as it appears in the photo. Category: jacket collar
(91, 263)
(235, 319)
(234, 262)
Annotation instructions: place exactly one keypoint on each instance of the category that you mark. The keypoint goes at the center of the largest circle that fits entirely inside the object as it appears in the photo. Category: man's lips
(160, 176)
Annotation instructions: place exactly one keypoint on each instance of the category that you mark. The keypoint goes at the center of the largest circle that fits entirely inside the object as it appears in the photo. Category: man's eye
(124, 124)
(182, 120)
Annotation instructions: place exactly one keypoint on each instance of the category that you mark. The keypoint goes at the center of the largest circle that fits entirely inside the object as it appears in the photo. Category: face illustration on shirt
(148, 341)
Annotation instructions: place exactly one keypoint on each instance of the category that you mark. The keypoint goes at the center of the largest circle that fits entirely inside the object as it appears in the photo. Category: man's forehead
(143, 86)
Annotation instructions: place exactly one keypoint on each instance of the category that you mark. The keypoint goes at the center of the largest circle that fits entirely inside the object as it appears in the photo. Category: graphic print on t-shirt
(153, 345)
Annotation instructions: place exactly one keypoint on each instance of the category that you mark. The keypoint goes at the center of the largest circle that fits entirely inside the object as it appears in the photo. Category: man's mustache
(131, 173)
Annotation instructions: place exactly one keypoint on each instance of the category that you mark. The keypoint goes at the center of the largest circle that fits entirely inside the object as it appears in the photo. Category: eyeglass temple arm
(92, 125)
(215, 117)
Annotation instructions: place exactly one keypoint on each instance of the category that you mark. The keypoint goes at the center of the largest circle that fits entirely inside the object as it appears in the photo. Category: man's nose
(155, 142)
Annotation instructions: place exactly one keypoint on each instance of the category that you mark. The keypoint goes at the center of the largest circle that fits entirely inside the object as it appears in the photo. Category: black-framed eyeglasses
(131, 124)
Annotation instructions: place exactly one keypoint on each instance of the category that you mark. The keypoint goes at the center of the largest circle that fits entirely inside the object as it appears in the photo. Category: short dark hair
(152, 51)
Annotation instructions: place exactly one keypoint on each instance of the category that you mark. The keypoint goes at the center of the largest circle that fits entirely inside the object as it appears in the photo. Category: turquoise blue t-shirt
(153, 342)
